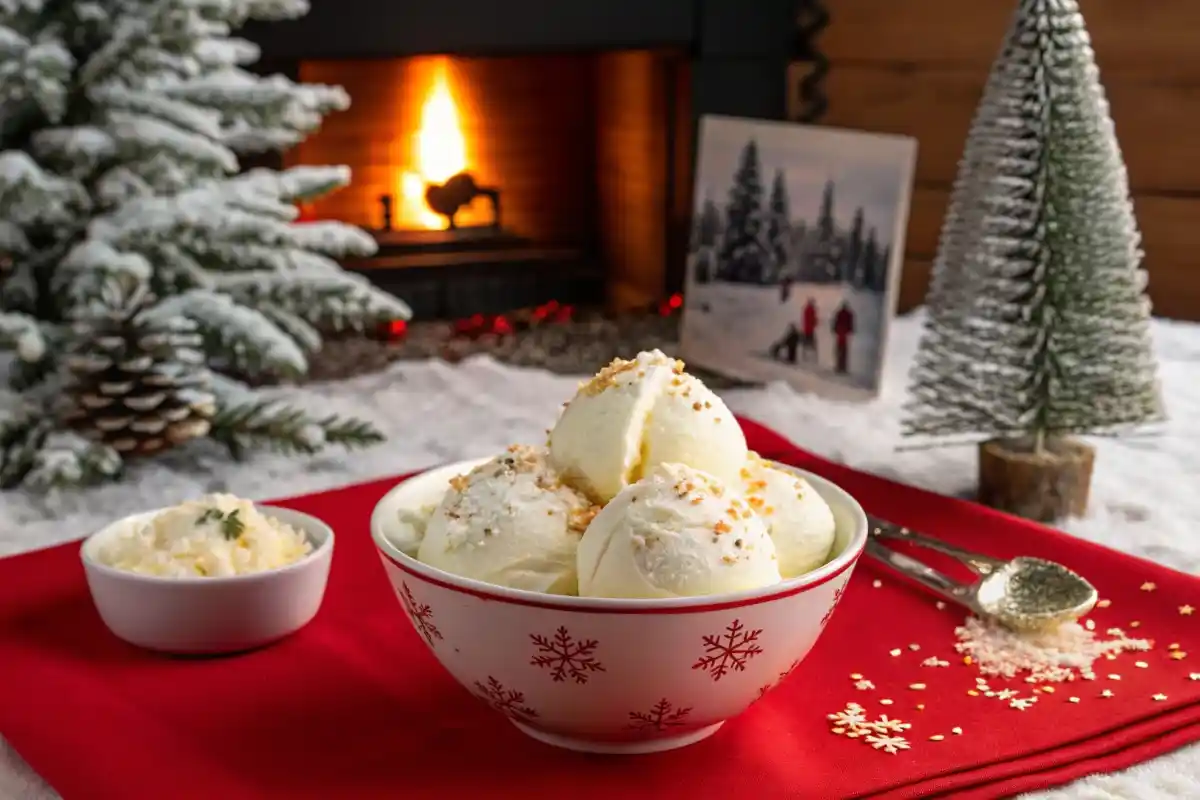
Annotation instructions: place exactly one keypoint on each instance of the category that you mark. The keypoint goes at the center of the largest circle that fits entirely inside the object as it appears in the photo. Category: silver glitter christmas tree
(1038, 323)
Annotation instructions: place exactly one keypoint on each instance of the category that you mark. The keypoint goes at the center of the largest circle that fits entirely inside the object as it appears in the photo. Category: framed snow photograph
(795, 254)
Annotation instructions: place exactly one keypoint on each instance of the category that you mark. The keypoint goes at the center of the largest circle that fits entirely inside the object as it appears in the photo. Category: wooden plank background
(917, 67)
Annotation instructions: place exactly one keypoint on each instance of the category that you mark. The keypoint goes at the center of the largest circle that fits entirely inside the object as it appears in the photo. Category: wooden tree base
(1044, 486)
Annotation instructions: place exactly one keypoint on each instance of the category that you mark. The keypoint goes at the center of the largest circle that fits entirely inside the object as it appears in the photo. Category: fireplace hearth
(513, 152)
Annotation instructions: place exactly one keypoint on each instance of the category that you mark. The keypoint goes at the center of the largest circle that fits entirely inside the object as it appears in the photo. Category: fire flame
(439, 152)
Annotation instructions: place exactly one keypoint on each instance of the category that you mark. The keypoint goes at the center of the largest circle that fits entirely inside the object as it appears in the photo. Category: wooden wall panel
(1151, 38)
(1156, 122)
(918, 68)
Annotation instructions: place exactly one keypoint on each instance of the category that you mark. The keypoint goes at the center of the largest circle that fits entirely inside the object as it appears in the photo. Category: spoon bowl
(1024, 594)
(1032, 594)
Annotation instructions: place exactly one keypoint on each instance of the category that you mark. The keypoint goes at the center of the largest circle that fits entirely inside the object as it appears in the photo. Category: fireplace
(560, 137)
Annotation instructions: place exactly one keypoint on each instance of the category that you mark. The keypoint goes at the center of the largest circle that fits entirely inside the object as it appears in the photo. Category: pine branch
(22, 333)
(269, 424)
(329, 300)
(241, 337)
(22, 433)
(66, 459)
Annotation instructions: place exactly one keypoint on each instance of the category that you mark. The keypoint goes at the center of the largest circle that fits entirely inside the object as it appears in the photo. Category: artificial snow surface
(1144, 495)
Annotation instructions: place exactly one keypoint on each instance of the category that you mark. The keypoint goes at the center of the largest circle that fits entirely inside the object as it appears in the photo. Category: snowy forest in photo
(791, 251)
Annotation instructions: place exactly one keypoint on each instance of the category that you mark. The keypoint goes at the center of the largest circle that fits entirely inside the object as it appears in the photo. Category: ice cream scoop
(636, 414)
(799, 520)
(511, 522)
(413, 505)
(678, 532)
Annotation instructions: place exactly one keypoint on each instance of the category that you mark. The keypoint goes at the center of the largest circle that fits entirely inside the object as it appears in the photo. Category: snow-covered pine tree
(779, 230)
(121, 124)
(743, 252)
(1038, 325)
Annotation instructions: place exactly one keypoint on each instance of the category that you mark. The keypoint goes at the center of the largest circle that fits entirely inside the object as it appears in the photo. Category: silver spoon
(1024, 594)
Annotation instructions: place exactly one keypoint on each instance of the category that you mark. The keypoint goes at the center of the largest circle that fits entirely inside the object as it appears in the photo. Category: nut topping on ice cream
(634, 415)
(799, 520)
(510, 522)
(676, 533)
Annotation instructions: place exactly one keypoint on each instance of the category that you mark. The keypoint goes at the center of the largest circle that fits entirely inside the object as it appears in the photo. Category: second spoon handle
(927, 576)
(976, 562)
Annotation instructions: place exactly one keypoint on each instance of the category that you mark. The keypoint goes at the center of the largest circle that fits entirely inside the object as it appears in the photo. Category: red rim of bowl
(607, 605)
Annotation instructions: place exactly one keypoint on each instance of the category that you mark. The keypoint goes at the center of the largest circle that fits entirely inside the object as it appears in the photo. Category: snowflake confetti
(565, 656)
(1159, 697)
(1194, 676)
(853, 716)
(1149, 586)
(1178, 655)
(1107, 693)
(507, 701)
(1103, 603)
(875, 584)
(1021, 703)
(729, 650)
(885, 725)
(863, 685)
(934, 661)
(1186, 611)
(421, 615)
(881, 734)
(888, 744)
(661, 716)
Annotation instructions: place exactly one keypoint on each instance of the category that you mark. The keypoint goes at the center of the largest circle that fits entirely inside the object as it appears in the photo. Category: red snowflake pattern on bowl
(837, 596)
(790, 667)
(729, 650)
(508, 702)
(565, 656)
(421, 615)
(661, 716)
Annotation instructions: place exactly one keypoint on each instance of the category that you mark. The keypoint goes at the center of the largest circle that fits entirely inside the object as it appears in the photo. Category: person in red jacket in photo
(808, 331)
(843, 329)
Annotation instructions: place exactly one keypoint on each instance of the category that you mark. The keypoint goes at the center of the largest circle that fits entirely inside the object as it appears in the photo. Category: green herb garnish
(231, 524)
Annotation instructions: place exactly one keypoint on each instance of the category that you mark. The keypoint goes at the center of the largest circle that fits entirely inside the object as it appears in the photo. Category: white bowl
(211, 615)
(614, 675)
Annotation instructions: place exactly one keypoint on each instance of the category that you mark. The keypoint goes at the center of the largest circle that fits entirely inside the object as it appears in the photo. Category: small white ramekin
(210, 615)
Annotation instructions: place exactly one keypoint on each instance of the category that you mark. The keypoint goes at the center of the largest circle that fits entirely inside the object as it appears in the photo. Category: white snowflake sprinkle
(863, 685)
(883, 725)
(888, 744)
(1022, 703)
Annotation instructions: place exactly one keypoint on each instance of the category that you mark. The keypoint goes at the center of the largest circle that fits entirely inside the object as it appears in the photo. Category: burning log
(458, 192)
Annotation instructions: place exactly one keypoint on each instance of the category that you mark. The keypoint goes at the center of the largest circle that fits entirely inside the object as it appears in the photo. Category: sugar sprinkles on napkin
(1040, 661)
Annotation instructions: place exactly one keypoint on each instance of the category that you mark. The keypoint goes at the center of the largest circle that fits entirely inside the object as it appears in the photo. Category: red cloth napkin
(355, 706)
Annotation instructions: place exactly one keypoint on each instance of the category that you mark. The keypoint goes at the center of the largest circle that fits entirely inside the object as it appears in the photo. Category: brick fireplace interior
(581, 117)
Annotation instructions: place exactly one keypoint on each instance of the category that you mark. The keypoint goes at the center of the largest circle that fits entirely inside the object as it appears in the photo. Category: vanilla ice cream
(635, 415)
(509, 522)
(414, 503)
(799, 520)
(678, 532)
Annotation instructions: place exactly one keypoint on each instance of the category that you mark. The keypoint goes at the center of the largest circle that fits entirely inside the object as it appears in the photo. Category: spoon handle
(976, 562)
(928, 577)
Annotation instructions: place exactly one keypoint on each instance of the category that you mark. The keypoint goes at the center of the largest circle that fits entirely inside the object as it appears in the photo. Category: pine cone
(138, 380)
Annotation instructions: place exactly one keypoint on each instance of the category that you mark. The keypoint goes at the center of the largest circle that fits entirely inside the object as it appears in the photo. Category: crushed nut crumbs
(722, 526)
